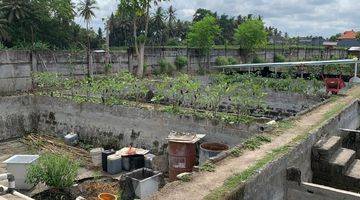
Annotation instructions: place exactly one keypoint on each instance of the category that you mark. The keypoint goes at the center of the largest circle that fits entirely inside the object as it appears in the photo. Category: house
(348, 39)
(329, 44)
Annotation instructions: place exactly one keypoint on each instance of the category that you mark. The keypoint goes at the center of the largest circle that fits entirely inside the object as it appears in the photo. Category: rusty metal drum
(182, 158)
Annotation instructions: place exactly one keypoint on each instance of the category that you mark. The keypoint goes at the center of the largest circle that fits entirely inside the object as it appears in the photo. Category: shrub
(54, 170)
(221, 61)
(279, 58)
(165, 67)
(181, 62)
(232, 61)
(258, 59)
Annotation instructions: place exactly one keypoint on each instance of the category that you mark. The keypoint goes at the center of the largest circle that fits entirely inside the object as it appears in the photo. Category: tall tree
(202, 34)
(86, 9)
(251, 35)
(139, 10)
(171, 21)
(15, 9)
(158, 32)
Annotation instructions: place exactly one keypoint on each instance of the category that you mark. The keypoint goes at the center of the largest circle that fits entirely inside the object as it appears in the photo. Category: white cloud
(297, 17)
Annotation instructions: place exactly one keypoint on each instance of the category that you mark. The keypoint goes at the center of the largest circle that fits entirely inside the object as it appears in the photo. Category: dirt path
(205, 182)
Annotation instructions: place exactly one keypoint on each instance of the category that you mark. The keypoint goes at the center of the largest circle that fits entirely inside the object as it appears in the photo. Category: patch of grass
(255, 142)
(186, 178)
(242, 177)
(207, 167)
(236, 152)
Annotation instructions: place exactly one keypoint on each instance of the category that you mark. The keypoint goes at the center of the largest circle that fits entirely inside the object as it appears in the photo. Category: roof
(349, 43)
(354, 49)
(329, 43)
(348, 35)
(290, 64)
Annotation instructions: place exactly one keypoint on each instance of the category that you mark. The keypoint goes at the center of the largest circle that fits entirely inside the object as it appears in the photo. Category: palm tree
(171, 21)
(86, 9)
(4, 35)
(15, 9)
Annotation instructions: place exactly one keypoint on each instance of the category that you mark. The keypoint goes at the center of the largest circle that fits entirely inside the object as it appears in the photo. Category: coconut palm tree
(86, 9)
(15, 9)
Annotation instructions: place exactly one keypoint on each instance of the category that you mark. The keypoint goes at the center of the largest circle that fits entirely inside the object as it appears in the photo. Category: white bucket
(96, 156)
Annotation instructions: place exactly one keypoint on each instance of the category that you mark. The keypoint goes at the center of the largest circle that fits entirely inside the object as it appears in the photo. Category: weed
(186, 178)
(236, 152)
(256, 142)
(207, 167)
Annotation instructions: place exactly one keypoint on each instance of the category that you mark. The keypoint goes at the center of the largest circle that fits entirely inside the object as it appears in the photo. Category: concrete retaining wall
(124, 125)
(17, 117)
(270, 184)
(17, 66)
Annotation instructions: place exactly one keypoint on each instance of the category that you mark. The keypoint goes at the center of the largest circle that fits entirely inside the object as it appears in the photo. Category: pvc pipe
(17, 194)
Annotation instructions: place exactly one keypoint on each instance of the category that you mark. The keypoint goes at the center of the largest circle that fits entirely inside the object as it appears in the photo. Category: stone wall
(17, 66)
(271, 183)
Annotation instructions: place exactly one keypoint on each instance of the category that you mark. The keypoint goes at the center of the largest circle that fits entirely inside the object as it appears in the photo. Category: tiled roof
(348, 35)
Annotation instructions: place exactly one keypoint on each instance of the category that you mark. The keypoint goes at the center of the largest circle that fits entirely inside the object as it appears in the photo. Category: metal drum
(182, 158)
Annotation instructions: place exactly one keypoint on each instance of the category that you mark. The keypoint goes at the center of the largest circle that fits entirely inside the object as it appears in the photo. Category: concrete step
(352, 176)
(324, 149)
(341, 161)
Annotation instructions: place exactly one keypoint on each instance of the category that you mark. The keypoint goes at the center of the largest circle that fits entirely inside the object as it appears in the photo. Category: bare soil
(204, 182)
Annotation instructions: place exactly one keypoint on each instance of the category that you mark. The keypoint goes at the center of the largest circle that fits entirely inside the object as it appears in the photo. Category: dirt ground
(203, 183)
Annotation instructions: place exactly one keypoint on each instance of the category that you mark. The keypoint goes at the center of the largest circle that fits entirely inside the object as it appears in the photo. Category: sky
(296, 17)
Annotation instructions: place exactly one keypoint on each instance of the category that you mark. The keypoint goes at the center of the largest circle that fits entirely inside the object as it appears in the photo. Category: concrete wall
(16, 66)
(124, 125)
(15, 71)
(114, 126)
(17, 117)
(270, 183)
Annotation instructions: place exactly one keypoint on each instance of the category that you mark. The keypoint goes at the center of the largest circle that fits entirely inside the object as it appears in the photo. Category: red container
(182, 158)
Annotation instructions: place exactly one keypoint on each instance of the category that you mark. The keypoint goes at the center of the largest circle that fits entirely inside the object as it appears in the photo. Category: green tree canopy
(251, 35)
(203, 33)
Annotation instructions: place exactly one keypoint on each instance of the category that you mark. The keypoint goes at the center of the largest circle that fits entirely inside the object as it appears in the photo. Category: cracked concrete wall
(270, 183)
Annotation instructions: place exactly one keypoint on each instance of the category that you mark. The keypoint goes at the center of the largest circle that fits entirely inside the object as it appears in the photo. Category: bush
(257, 59)
(221, 61)
(181, 62)
(232, 61)
(54, 170)
(165, 67)
(279, 58)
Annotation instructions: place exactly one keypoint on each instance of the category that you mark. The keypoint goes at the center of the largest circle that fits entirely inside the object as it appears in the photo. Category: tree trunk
(88, 50)
(141, 60)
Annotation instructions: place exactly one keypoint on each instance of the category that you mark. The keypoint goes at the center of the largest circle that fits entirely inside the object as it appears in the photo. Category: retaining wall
(17, 117)
(271, 182)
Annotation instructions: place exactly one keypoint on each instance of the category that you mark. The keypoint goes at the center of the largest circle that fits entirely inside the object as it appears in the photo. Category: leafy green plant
(54, 170)
(236, 152)
(108, 68)
(258, 59)
(181, 62)
(256, 142)
(279, 58)
(232, 61)
(165, 67)
(221, 61)
(207, 167)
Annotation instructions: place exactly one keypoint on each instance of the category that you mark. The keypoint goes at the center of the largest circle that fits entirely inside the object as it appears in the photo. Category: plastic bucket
(209, 150)
(107, 196)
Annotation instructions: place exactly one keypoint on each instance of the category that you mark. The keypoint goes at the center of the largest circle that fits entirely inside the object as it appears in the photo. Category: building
(348, 39)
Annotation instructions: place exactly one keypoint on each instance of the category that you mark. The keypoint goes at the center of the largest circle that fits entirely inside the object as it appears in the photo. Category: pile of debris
(50, 144)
